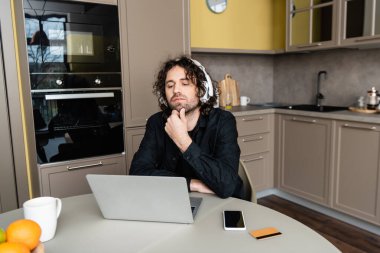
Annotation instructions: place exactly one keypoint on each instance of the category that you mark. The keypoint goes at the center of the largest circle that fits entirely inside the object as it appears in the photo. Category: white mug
(45, 211)
(244, 100)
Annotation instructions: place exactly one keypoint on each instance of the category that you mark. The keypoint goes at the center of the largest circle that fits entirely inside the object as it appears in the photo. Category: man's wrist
(185, 144)
(193, 185)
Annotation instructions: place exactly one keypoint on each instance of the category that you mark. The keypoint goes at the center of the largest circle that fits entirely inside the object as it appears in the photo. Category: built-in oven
(75, 76)
(72, 124)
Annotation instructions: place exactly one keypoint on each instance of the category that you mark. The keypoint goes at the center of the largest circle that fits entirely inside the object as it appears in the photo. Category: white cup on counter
(244, 100)
(45, 211)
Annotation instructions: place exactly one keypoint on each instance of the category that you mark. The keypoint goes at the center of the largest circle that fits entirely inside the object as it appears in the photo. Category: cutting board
(228, 85)
(362, 110)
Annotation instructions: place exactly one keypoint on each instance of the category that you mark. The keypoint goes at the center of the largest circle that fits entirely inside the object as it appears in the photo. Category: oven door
(66, 37)
(75, 124)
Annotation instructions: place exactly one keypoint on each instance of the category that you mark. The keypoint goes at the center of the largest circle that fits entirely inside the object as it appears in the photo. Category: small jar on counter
(360, 103)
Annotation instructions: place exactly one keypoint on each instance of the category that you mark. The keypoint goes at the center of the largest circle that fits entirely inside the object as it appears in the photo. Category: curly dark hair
(193, 72)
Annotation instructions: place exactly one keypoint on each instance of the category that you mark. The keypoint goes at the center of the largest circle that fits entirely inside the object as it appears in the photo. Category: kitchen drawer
(252, 144)
(252, 124)
(258, 170)
(70, 179)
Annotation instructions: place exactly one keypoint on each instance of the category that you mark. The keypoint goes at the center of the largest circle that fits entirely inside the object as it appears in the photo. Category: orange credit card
(265, 233)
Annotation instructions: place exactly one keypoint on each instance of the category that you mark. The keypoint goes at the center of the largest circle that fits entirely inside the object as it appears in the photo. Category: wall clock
(217, 6)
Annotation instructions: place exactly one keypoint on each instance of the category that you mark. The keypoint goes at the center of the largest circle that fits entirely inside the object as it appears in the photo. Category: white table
(81, 228)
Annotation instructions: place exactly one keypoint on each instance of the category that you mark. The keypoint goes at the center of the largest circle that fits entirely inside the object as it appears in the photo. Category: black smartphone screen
(234, 219)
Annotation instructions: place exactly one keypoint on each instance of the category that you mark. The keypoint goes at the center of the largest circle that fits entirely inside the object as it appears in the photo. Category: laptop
(144, 198)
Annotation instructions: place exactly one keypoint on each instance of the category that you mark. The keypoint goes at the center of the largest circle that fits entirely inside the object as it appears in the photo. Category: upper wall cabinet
(151, 32)
(245, 26)
(311, 24)
(360, 22)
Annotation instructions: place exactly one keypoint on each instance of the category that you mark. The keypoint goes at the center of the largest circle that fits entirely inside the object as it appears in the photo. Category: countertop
(345, 115)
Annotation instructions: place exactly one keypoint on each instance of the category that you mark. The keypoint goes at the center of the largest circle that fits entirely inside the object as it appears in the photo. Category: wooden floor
(347, 238)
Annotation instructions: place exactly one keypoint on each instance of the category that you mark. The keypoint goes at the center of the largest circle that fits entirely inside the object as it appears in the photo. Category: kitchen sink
(314, 108)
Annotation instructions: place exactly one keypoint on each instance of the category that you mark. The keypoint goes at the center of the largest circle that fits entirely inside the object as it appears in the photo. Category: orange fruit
(13, 247)
(24, 231)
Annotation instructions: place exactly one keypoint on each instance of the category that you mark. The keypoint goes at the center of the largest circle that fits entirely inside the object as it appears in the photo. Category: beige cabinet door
(360, 22)
(8, 197)
(259, 170)
(305, 147)
(62, 181)
(256, 145)
(311, 25)
(357, 170)
(151, 32)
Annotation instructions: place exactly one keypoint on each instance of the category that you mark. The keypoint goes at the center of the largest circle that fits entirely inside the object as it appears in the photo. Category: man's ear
(198, 92)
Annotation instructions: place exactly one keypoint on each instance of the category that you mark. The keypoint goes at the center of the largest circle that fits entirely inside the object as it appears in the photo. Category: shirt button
(173, 159)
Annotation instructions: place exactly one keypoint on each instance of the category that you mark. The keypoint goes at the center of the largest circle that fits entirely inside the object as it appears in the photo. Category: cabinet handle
(84, 166)
(253, 159)
(303, 120)
(80, 95)
(314, 45)
(366, 39)
(252, 139)
(358, 127)
(252, 119)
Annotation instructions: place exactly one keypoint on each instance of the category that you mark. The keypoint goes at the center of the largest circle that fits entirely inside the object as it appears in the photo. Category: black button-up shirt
(212, 157)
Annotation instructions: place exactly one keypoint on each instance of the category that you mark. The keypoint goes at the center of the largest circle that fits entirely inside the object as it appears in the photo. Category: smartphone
(233, 220)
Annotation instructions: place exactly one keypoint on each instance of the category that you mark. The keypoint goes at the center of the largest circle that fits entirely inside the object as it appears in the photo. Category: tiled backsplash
(254, 73)
(292, 78)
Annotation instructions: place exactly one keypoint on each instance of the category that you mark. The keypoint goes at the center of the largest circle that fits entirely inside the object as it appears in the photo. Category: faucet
(319, 96)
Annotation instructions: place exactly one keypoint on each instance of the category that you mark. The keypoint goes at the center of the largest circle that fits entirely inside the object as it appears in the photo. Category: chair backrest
(249, 189)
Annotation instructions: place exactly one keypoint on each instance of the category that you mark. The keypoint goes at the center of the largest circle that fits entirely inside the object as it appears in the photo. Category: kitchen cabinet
(8, 193)
(305, 157)
(245, 26)
(311, 25)
(25, 175)
(151, 32)
(134, 137)
(147, 30)
(61, 181)
(259, 169)
(360, 22)
(256, 144)
(357, 170)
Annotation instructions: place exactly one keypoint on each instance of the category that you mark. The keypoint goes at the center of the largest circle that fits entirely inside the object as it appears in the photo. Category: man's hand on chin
(176, 128)
(197, 185)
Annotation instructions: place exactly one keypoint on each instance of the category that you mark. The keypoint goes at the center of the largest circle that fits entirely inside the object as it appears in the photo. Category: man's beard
(189, 108)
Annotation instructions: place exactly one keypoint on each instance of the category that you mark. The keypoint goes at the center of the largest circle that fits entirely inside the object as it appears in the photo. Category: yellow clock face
(217, 6)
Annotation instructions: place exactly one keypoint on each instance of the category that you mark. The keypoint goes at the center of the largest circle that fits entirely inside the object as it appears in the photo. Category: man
(190, 138)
